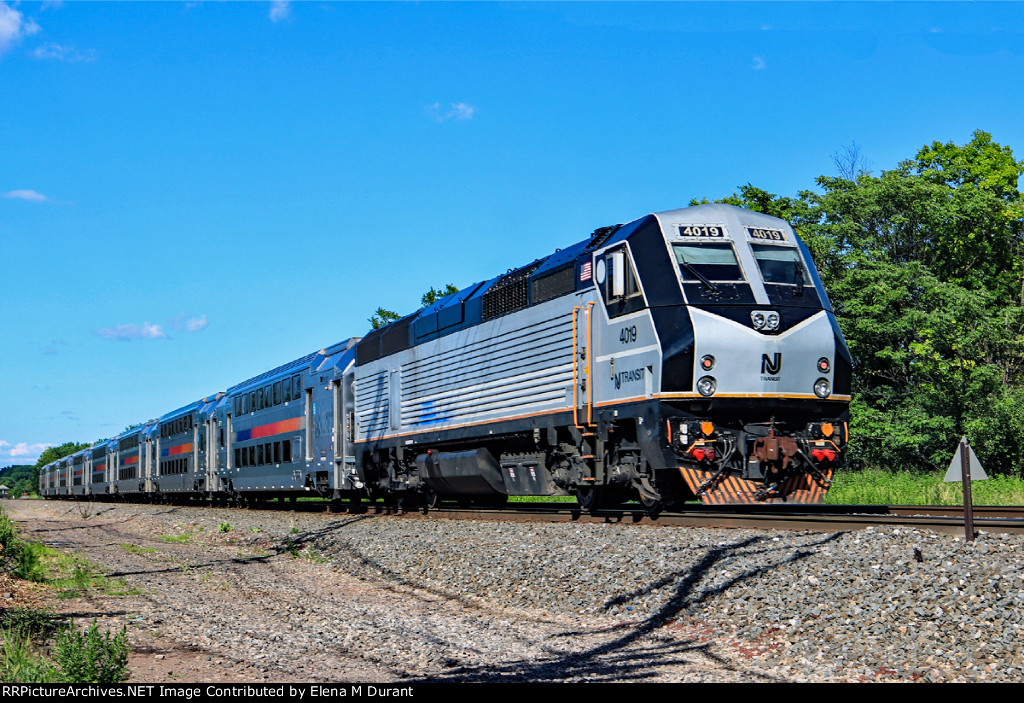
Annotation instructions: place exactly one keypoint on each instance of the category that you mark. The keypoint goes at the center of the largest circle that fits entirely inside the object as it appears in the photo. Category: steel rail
(819, 518)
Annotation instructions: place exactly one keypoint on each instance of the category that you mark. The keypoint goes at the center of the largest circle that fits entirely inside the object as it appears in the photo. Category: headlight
(758, 319)
(707, 385)
(707, 362)
(822, 388)
(772, 323)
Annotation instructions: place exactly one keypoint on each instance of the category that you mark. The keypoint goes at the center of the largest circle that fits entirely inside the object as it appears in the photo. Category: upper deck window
(714, 261)
(780, 264)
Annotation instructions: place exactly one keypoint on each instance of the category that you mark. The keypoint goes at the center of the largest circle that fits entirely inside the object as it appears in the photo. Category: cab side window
(616, 278)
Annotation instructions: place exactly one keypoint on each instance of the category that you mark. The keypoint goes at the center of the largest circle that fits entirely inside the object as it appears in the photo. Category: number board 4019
(773, 235)
(711, 231)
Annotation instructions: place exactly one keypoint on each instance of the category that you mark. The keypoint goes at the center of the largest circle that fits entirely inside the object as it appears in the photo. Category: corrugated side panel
(372, 404)
(522, 364)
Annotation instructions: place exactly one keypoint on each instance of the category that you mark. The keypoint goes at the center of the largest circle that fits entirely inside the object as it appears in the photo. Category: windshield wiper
(692, 270)
(798, 277)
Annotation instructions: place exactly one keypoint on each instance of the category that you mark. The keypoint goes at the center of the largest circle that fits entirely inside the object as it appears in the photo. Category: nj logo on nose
(770, 365)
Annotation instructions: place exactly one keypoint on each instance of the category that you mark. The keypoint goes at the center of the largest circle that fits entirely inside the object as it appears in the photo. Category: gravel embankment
(285, 596)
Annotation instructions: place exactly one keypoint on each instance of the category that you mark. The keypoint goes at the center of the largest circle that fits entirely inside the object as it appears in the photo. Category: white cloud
(280, 10)
(29, 195)
(69, 54)
(21, 449)
(126, 333)
(454, 111)
(14, 26)
(758, 63)
(183, 323)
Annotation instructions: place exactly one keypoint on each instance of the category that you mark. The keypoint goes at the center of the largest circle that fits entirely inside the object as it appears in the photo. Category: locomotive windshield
(779, 264)
(708, 261)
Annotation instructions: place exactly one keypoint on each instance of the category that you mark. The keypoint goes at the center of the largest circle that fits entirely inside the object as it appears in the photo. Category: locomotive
(691, 353)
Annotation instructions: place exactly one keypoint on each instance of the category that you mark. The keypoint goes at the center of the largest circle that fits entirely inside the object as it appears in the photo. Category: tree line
(924, 265)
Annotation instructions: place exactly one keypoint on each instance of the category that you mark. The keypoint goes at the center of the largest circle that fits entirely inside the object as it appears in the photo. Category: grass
(78, 657)
(541, 499)
(72, 576)
(136, 549)
(874, 486)
(880, 487)
(183, 538)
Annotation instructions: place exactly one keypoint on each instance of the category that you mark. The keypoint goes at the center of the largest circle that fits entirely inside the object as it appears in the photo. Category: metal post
(965, 477)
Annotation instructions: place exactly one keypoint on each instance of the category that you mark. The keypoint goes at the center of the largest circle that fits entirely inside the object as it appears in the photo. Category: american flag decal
(586, 271)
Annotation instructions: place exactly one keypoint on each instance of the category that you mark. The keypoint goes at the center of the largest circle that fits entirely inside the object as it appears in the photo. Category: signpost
(965, 457)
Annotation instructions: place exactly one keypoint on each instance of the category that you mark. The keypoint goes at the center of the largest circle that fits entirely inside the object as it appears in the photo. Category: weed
(255, 530)
(36, 623)
(21, 661)
(92, 656)
(177, 539)
(136, 549)
(293, 549)
(314, 557)
(29, 564)
(293, 531)
(120, 587)
(224, 527)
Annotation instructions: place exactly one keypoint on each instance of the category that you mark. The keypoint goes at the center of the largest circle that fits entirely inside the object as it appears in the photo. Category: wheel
(590, 498)
(650, 498)
(431, 500)
(652, 505)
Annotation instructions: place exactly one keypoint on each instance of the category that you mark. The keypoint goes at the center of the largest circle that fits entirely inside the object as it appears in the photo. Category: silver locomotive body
(691, 352)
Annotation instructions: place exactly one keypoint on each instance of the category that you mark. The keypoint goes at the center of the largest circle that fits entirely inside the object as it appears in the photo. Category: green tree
(432, 296)
(383, 316)
(924, 265)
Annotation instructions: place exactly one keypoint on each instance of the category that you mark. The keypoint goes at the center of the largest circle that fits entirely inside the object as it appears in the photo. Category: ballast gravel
(283, 596)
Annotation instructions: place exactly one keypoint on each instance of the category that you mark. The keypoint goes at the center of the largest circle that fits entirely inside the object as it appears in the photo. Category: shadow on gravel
(626, 658)
(380, 573)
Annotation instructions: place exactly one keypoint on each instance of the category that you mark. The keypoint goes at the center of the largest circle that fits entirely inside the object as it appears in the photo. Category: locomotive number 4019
(701, 231)
(774, 235)
(628, 335)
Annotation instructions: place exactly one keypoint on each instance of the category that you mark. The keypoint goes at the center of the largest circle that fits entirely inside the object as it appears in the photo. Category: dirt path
(218, 609)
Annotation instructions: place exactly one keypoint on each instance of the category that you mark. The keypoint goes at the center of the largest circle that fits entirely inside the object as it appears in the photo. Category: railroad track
(824, 518)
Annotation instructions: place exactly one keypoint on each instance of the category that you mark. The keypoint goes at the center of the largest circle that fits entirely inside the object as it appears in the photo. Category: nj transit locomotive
(692, 352)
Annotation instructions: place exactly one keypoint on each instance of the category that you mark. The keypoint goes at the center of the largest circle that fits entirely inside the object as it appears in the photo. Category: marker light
(823, 365)
(707, 362)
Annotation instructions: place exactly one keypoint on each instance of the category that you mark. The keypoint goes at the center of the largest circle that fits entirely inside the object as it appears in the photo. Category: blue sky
(193, 193)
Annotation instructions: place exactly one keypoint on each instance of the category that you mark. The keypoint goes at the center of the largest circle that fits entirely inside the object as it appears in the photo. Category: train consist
(689, 353)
